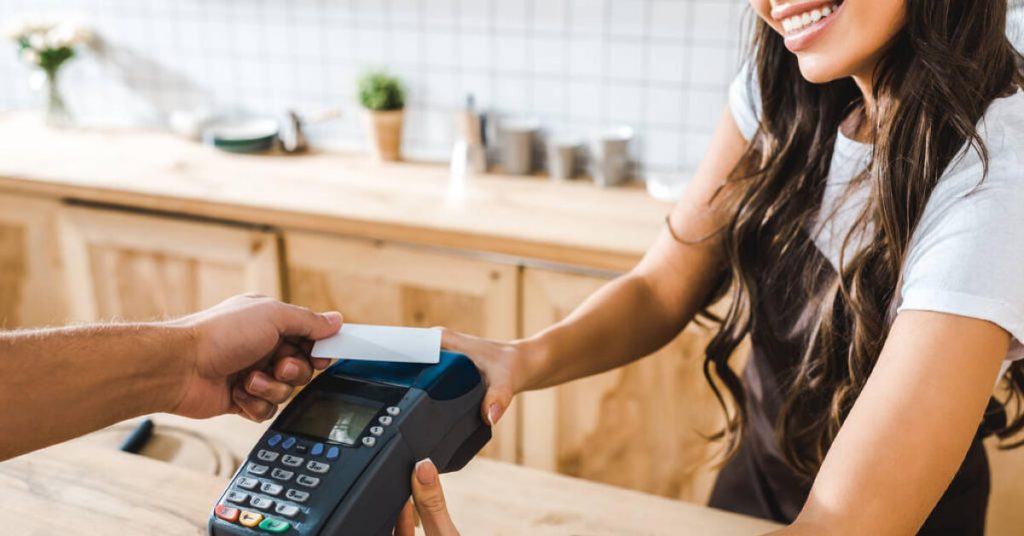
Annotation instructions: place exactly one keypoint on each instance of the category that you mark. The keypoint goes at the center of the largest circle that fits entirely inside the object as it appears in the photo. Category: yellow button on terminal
(250, 519)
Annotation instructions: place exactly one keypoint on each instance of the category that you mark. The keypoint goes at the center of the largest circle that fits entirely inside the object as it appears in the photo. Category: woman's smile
(803, 22)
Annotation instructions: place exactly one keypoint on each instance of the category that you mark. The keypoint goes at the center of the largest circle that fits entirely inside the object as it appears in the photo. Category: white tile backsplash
(661, 66)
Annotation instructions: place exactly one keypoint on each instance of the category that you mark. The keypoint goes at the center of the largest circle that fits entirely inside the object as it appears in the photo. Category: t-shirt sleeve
(967, 254)
(745, 101)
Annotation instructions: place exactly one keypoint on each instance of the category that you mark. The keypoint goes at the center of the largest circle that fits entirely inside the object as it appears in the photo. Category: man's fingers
(406, 525)
(260, 385)
(293, 371)
(253, 408)
(294, 321)
(429, 498)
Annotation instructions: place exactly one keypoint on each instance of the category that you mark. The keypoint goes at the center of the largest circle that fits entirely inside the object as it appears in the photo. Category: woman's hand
(502, 365)
(250, 353)
(430, 504)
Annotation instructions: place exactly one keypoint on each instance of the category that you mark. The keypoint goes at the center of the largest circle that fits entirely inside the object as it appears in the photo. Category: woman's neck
(859, 125)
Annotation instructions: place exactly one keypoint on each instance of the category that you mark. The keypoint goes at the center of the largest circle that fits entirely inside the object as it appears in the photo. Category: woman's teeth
(797, 23)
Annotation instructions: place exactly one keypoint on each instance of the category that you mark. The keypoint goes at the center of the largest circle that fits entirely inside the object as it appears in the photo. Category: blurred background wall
(660, 66)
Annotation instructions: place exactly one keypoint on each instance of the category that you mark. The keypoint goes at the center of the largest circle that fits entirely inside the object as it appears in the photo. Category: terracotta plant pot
(385, 130)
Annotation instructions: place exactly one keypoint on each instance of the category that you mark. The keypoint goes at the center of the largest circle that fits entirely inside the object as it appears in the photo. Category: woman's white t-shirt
(966, 256)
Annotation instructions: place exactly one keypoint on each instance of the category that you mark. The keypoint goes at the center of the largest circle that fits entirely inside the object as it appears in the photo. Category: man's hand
(429, 499)
(250, 352)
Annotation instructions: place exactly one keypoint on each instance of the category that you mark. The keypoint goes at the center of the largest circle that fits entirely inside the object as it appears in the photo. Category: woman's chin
(818, 69)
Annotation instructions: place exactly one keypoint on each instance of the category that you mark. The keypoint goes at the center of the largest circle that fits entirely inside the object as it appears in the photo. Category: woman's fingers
(496, 401)
(406, 525)
(429, 499)
(486, 354)
(460, 342)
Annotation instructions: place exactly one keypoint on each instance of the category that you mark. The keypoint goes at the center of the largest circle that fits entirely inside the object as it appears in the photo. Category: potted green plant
(383, 97)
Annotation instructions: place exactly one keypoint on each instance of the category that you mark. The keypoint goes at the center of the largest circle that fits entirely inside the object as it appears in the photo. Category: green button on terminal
(275, 526)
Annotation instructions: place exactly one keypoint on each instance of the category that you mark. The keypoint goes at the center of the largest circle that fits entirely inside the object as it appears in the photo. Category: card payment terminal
(339, 458)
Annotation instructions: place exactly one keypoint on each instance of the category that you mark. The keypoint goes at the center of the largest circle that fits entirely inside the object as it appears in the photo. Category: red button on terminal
(226, 512)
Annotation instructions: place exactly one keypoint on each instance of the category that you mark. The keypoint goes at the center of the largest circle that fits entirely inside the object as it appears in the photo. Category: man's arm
(910, 428)
(243, 356)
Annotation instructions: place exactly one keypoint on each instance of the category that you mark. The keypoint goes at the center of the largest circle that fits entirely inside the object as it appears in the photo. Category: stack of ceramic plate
(241, 135)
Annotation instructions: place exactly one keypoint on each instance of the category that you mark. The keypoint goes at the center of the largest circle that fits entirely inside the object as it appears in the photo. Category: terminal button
(247, 483)
(262, 503)
(267, 455)
(376, 430)
(384, 419)
(257, 469)
(369, 441)
(275, 526)
(317, 449)
(237, 496)
(250, 519)
(308, 481)
(274, 440)
(291, 461)
(318, 467)
(281, 474)
(296, 495)
(332, 453)
(227, 513)
(271, 489)
(288, 443)
(287, 510)
(393, 411)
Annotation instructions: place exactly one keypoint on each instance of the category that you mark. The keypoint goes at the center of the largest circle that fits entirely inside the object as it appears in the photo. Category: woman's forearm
(71, 381)
(614, 326)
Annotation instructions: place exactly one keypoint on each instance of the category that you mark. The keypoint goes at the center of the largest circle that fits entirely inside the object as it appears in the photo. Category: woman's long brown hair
(935, 81)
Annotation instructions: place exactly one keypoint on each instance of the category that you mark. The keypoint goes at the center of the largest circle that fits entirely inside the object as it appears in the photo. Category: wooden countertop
(79, 488)
(572, 223)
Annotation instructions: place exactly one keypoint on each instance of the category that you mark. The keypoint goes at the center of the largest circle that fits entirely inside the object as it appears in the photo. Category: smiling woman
(859, 208)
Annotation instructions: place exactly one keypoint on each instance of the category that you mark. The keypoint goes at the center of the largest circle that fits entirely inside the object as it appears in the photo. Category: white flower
(43, 33)
(37, 40)
(62, 35)
(30, 56)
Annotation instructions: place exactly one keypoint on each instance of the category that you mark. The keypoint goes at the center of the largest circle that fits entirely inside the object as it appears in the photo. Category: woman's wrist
(531, 363)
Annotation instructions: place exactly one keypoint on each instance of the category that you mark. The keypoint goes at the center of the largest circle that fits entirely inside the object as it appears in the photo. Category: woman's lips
(806, 21)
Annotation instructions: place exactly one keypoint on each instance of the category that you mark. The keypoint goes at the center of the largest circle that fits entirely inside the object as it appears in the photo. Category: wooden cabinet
(638, 426)
(31, 286)
(378, 283)
(136, 267)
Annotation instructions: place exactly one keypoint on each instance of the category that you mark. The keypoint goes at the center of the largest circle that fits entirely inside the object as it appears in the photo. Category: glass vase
(54, 109)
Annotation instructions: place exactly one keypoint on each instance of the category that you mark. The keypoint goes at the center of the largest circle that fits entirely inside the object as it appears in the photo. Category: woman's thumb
(429, 499)
(496, 401)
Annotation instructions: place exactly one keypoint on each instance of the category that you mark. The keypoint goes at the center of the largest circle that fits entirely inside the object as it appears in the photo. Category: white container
(561, 153)
(609, 155)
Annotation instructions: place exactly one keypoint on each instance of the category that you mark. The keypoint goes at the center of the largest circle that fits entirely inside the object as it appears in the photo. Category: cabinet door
(638, 426)
(31, 285)
(377, 283)
(137, 267)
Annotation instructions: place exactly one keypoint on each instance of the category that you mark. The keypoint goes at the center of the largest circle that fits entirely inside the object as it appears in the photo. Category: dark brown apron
(757, 481)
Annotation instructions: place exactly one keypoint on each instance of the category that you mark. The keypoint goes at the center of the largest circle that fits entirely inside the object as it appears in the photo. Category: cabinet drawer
(137, 266)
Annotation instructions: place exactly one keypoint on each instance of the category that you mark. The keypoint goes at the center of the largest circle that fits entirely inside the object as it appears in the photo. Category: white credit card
(382, 343)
